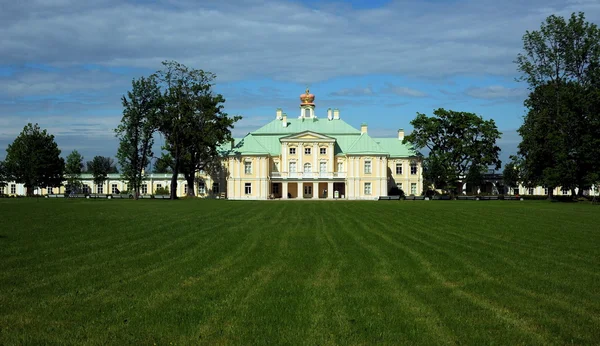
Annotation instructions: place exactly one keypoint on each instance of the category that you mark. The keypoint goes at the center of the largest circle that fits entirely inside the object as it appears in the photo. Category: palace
(299, 157)
(312, 157)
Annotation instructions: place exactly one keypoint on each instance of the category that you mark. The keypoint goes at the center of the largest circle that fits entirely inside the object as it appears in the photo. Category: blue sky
(66, 63)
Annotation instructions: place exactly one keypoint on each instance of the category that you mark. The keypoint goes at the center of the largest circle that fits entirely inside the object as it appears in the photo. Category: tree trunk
(550, 193)
(190, 183)
(29, 191)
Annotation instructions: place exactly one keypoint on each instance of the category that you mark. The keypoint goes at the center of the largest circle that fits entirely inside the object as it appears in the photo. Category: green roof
(348, 140)
(295, 125)
(395, 147)
(365, 145)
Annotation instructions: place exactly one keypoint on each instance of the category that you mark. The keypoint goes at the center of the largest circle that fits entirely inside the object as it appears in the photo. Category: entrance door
(308, 191)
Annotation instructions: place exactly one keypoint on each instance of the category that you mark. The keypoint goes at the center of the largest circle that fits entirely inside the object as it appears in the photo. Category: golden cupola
(307, 98)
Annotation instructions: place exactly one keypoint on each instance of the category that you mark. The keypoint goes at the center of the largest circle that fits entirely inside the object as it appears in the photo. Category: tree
(561, 64)
(163, 164)
(73, 169)
(141, 107)
(510, 175)
(191, 119)
(100, 167)
(3, 174)
(33, 159)
(459, 144)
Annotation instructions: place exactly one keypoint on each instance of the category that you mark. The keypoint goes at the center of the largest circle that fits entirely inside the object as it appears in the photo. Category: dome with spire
(307, 98)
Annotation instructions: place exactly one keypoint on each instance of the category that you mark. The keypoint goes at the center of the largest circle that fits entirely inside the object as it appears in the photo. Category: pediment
(307, 136)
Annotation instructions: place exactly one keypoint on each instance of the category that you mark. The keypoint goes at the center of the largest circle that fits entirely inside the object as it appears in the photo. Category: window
(340, 167)
(248, 167)
(185, 189)
(565, 191)
(13, 189)
(516, 191)
(399, 169)
(399, 186)
(531, 191)
(292, 151)
(86, 189)
(215, 188)
(308, 189)
(307, 151)
(248, 188)
(1, 190)
(307, 112)
(323, 151)
(276, 189)
(367, 167)
(275, 166)
(545, 191)
(49, 190)
(413, 168)
(367, 188)
(292, 167)
(307, 168)
(201, 188)
(323, 167)
(114, 188)
(144, 189)
(158, 186)
(100, 188)
(413, 188)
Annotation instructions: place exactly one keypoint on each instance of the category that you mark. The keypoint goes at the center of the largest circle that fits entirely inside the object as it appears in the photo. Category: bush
(162, 191)
(534, 197)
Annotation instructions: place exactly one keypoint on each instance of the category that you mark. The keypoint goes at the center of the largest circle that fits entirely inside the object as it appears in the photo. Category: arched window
(307, 168)
(307, 112)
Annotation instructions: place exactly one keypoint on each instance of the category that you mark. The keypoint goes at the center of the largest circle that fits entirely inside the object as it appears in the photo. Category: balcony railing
(308, 175)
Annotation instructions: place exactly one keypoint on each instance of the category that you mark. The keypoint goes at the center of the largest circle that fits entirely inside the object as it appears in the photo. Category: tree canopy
(33, 159)
(100, 167)
(73, 169)
(561, 132)
(141, 107)
(3, 174)
(461, 146)
(163, 164)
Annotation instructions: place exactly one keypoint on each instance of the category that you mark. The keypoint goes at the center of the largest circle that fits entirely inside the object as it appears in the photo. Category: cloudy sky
(65, 63)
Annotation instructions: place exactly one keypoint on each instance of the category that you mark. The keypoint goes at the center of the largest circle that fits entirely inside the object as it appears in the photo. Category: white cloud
(279, 40)
(497, 92)
(403, 91)
(358, 91)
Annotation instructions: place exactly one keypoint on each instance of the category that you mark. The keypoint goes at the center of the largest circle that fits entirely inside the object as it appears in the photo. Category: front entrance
(308, 192)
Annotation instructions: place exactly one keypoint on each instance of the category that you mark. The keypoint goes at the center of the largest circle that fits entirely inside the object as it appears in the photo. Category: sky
(66, 63)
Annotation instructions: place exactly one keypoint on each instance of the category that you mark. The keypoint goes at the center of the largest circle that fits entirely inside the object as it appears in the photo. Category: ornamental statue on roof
(307, 98)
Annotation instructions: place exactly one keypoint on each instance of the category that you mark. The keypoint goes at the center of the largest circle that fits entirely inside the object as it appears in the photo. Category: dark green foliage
(141, 108)
(162, 191)
(163, 164)
(100, 167)
(461, 145)
(192, 121)
(73, 170)
(510, 175)
(33, 159)
(3, 174)
(561, 132)
(217, 272)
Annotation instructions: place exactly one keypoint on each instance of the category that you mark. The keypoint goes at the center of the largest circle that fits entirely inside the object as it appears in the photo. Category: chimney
(284, 119)
(401, 134)
(363, 128)
(279, 113)
(329, 114)
(336, 114)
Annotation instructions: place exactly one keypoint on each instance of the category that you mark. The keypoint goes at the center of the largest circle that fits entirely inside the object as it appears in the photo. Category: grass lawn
(317, 273)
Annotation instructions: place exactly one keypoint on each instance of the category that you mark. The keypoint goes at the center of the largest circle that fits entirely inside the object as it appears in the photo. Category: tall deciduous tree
(460, 144)
(192, 120)
(33, 159)
(561, 64)
(100, 167)
(73, 169)
(511, 175)
(3, 174)
(163, 164)
(141, 107)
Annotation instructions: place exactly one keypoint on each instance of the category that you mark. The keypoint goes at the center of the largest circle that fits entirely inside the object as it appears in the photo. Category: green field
(315, 273)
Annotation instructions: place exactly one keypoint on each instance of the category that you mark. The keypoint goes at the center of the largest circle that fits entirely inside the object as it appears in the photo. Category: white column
(315, 190)
(300, 154)
(284, 190)
(330, 190)
(300, 190)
